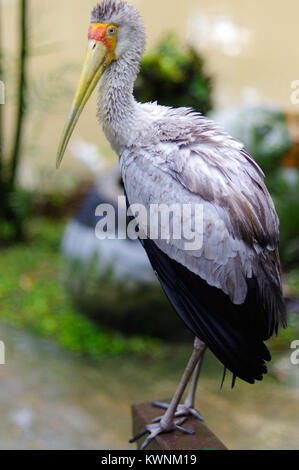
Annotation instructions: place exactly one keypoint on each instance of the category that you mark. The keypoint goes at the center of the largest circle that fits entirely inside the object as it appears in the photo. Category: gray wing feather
(190, 161)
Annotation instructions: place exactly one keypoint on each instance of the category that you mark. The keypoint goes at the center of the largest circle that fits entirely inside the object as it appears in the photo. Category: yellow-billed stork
(228, 291)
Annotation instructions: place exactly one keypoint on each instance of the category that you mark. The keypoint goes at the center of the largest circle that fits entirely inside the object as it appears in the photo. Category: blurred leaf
(174, 76)
(285, 194)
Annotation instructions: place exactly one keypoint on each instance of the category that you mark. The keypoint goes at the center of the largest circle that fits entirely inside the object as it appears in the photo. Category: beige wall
(251, 48)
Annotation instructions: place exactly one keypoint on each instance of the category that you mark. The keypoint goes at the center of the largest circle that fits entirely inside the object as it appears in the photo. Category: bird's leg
(186, 409)
(167, 422)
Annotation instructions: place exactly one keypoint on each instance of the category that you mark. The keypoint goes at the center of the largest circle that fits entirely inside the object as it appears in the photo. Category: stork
(228, 292)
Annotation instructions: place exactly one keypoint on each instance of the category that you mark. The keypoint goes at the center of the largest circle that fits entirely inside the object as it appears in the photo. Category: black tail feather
(223, 377)
(234, 333)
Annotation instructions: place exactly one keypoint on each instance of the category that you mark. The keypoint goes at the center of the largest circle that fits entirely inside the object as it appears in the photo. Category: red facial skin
(97, 31)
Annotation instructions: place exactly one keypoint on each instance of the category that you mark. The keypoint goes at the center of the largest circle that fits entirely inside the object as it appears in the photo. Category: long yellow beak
(95, 60)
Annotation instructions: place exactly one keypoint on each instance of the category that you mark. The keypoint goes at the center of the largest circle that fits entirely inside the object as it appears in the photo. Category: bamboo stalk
(21, 106)
(1, 111)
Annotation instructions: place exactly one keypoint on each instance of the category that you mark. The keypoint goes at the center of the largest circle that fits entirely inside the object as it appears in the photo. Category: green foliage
(21, 202)
(175, 77)
(282, 341)
(32, 298)
(286, 198)
(293, 282)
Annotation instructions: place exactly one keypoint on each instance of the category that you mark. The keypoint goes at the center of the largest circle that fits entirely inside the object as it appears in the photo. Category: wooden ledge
(203, 439)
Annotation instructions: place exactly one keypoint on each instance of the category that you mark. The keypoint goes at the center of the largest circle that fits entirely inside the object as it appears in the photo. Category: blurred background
(86, 328)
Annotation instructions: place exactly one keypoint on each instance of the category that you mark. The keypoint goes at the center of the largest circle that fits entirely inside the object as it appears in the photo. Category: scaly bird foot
(182, 410)
(156, 428)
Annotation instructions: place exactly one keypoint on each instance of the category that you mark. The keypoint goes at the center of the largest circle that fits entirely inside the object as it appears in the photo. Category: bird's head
(116, 30)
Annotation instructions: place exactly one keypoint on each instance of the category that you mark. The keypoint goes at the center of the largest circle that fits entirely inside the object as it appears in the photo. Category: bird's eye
(111, 31)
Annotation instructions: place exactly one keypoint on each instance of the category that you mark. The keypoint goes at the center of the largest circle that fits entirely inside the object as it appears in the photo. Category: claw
(185, 431)
(153, 434)
(138, 436)
(196, 414)
(157, 420)
(155, 429)
(159, 404)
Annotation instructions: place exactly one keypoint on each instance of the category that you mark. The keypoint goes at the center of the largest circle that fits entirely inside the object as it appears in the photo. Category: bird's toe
(155, 429)
(184, 410)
